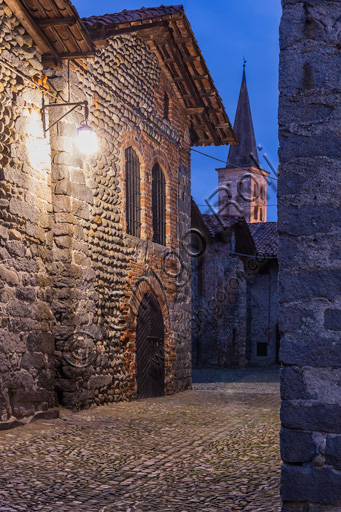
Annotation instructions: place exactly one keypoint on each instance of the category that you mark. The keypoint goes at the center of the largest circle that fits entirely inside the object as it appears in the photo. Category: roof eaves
(169, 33)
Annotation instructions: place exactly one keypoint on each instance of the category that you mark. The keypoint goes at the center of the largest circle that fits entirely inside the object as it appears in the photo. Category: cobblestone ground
(211, 449)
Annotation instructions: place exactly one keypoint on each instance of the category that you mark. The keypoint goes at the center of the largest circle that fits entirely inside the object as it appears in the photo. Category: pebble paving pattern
(214, 448)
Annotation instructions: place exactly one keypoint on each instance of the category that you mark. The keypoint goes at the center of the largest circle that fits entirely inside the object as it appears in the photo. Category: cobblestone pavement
(211, 449)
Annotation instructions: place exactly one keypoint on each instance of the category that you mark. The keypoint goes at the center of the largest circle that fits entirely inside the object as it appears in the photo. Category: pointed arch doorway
(150, 361)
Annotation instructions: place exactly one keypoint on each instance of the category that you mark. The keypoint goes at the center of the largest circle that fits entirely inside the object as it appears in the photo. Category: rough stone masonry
(71, 279)
(310, 247)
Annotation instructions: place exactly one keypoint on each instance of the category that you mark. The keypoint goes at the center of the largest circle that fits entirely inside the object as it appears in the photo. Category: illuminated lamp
(86, 141)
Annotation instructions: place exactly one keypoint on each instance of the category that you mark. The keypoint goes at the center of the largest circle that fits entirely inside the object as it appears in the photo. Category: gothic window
(133, 193)
(159, 205)
(263, 194)
(166, 106)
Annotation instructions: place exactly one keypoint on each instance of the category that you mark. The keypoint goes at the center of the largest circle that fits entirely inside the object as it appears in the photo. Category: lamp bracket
(73, 106)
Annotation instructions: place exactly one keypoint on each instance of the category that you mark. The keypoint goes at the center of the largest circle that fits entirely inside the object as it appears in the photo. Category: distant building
(234, 288)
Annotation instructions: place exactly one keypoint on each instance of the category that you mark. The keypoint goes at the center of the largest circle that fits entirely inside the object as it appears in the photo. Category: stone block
(20, 309)
(311, 417)
(332, 319)
(297, 447)
(316, 485)
(309, 219)
(40, 342)
(321, 283)
(333, 451)
(319, 351)
(293, 385)
(8, 276)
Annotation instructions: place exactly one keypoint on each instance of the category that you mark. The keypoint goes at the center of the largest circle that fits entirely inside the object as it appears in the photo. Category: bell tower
(242, 176)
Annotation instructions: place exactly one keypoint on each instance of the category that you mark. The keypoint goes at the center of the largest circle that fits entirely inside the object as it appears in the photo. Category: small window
(261, 214)
(133, 193)
(255, 213)
(166, 106)
(159, 205)
(262, 349)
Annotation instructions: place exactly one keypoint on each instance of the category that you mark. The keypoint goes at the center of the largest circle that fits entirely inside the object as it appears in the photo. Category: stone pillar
(310, 274)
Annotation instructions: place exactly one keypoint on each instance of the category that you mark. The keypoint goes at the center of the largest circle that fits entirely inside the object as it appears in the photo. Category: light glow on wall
(87, 141)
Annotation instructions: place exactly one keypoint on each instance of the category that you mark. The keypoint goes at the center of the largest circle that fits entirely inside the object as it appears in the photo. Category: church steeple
(242, 184)
(239, 155)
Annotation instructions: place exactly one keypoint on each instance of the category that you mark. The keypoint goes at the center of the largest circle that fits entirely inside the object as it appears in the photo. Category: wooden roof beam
(101, 35)
(24, 17)
(194, 77)
(179, 61)
(193, 110)
(55, 22)
(50, 60)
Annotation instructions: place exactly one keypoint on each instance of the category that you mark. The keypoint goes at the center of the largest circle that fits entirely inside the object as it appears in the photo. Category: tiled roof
(216, 224)
(265, 235)
(145, 13)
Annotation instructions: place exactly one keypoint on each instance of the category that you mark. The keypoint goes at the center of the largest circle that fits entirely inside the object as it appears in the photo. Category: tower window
(159, 205)
(133, 193)
(263, 194)
(166, 106)
(261, 214)
(255, 213)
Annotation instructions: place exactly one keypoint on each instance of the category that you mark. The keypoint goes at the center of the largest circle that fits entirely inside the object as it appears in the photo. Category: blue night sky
(226, 30)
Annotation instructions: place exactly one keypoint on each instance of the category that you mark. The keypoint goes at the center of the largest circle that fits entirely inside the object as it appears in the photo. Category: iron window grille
(133, 193)
(159, 205)
(166, 106)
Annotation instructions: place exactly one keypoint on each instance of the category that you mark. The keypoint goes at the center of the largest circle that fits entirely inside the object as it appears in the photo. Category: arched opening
(159, 205)
(133, 193)
(150, 357)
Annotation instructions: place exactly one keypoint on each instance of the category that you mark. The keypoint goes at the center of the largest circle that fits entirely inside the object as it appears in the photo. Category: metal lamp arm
(53, 105)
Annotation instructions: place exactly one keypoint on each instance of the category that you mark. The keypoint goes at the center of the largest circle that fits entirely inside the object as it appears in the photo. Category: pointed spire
(239, 155)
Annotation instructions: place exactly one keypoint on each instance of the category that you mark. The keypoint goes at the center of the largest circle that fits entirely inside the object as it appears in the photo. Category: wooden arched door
(150, 360)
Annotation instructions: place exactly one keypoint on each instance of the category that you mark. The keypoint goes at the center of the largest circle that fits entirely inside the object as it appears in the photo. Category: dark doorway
(150, 360)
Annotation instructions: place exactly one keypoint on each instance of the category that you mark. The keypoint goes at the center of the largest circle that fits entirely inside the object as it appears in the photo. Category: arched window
(263, 193)
(166, 106)
(133, 193)
(255, 213)
(159, 205)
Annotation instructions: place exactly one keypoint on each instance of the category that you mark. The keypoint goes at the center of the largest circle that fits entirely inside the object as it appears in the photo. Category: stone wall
(310, 274)
(26, 321)
(71, 278)
(219, 305)
(262, 299)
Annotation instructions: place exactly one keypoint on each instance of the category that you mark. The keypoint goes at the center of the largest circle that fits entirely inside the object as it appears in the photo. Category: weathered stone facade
(262, 335)
(71, 279)
(309, 256)
(219, 290)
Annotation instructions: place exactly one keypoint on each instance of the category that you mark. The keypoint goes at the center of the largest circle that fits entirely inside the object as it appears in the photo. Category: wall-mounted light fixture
(86, 141)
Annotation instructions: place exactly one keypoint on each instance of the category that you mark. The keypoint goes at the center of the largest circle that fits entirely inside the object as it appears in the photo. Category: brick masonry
(309, 279)
(71, 279)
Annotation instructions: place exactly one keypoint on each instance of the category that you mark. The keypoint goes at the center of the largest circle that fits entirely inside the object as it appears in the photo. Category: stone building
(93, 306)
(219, 289)
(234, 285)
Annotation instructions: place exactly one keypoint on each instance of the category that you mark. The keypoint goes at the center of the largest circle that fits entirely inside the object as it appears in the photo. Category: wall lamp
(86, 140)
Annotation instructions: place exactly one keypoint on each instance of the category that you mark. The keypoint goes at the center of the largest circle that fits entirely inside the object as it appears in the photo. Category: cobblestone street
(215, 448)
